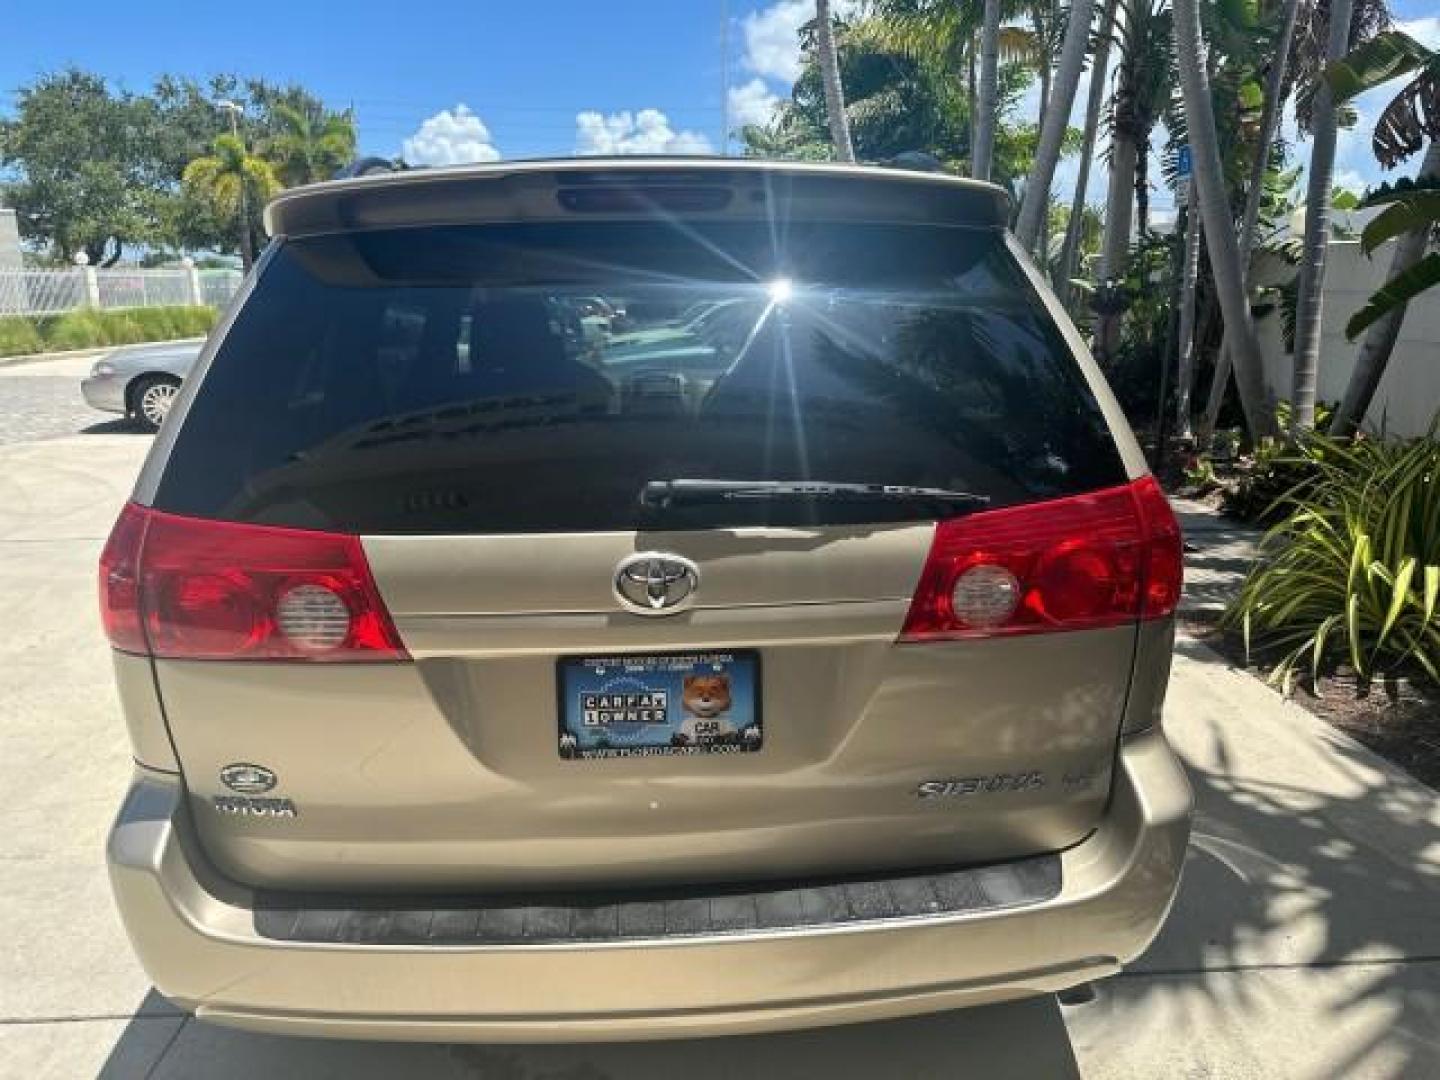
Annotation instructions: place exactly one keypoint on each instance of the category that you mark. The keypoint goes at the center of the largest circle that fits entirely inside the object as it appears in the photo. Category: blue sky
(525, 70)
(443, 81)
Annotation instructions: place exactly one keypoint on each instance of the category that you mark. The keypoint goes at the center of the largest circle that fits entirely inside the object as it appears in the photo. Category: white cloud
(645, 132)
(752, 103)
(451, 138)
(1350, 180)
(772, 36)
(1424, 30)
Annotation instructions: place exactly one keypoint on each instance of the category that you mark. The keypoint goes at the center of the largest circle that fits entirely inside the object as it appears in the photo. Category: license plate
(678, 704)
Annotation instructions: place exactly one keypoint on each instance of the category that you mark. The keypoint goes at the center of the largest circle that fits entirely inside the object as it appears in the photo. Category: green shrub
(79, 329)
(1352, 569)
(1275, 469)
(158, 323)
(19, 336)
(1262, 481)
(123, 328)
(86, 328)
(194, 321)
(1199, 475)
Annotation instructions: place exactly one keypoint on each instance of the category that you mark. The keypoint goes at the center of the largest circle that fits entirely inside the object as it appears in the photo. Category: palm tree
(1317, 231)
(310, 146)
(227, 179)
(1070, 248)
(1144, 83)
(940, 38)
(987, 98)
(1036, 203)
(1213, 203)
(1189, 276)
(1402, 129)
(1043, 18)
(1259, 165)
(830, 75)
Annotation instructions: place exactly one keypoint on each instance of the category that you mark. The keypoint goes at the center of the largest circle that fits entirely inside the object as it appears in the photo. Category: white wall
(9, 240)
(1409, 395)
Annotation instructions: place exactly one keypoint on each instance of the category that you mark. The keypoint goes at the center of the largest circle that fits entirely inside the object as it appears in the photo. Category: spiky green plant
(1352, 571)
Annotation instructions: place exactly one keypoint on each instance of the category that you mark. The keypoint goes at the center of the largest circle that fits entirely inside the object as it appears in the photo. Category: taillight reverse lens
(1087, 561)
(222, 591)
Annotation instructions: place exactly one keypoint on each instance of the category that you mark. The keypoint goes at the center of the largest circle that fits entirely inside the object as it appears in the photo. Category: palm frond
(1384, 57)
(1411, 119)
(1400, 289)
(1420, 210)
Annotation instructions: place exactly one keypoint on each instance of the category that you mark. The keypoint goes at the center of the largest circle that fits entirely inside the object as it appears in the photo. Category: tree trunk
(1115, 242)
(1119, 195)
(1310, 301)
(1142, 185)
(830, 75)
(1259, 165)
(989, 90)
(247, 242)
(1070, 248)
(1036, 204)
(1189, 276)
(1046, 75)
(1214, 205)
(1380, 339)
(972, 94)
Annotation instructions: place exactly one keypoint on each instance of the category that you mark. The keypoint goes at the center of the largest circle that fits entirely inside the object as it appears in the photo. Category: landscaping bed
(1343, 603)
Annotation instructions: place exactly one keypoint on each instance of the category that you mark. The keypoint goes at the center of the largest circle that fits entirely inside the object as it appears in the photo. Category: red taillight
(1087, 561)
(193, 589)
(1164, 552)
(120, 581)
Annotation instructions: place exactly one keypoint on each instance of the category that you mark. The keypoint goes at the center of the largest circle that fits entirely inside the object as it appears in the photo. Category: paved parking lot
(41, 400)
(1305, 942)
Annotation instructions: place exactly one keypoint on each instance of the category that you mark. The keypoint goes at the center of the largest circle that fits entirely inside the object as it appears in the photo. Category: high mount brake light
(188, 588)
(1105, 558)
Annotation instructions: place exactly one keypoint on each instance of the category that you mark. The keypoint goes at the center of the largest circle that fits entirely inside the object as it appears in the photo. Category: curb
(80, 354)
(1320, 725)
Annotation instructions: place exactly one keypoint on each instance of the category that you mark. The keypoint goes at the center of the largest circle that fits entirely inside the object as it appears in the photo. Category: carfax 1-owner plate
(658, 706)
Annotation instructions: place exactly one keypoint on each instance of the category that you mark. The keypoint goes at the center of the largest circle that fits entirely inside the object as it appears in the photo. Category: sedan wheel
(153, 399)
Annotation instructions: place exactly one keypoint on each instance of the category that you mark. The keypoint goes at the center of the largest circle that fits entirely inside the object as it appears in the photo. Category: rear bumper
(197, 938)
(104, 392)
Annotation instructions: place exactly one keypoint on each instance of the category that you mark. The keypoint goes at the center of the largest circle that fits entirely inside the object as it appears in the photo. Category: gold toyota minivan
(621, 599)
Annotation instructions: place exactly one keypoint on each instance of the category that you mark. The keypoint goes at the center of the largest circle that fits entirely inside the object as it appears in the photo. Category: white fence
(52, 292)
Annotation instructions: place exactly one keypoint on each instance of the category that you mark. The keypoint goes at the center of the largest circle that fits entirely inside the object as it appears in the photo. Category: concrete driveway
(1305, 943)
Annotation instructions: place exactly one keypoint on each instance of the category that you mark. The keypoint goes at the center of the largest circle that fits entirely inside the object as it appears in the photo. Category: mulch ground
(1400, 721)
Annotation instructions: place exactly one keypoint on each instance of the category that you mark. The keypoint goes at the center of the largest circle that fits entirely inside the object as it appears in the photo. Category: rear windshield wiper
(663, 494)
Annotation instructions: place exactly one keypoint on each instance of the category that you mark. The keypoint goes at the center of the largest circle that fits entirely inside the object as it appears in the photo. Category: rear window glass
(533, 378)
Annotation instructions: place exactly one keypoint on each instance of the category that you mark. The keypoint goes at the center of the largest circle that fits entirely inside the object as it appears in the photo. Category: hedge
(86, 328)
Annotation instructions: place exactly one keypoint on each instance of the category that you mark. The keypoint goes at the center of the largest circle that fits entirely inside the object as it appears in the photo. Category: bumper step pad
(640, 914)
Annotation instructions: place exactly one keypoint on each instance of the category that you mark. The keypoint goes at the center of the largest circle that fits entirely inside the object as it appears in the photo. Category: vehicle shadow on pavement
(1025, 1039)
(118, 426)
(1307, 929)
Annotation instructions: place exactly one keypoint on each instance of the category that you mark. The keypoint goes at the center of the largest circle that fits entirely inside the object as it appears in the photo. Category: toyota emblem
(652, 583)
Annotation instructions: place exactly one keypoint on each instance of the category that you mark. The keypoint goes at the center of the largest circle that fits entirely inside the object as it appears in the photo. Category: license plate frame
(641, 705)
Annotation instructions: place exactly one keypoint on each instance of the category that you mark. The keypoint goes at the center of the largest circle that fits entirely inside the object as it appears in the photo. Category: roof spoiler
(381, 197)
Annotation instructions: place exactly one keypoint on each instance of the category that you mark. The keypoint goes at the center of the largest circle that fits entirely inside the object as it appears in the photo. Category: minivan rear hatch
(649, 480)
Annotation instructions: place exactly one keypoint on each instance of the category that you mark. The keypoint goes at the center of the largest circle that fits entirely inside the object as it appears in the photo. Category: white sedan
(141, 381)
